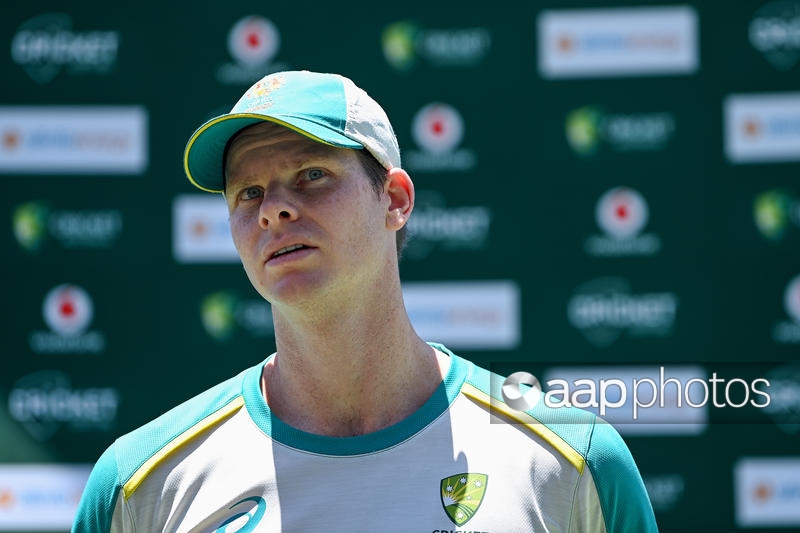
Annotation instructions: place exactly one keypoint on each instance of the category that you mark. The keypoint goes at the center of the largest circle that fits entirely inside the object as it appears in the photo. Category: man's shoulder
(128, 461)
(571, 430)
(134, 448)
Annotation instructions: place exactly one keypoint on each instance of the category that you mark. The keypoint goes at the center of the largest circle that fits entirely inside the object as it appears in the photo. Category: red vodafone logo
(68, 309)
(621, 212)
(438, 127)
(253, 40)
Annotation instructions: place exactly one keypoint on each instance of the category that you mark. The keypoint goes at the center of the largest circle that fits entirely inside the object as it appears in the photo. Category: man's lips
(292, 250)
(287, 249)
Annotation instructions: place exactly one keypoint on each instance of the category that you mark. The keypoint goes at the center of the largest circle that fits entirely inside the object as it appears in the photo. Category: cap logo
(259, 95)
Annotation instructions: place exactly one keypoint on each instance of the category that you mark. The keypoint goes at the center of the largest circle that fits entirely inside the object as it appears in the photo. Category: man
(354, 423)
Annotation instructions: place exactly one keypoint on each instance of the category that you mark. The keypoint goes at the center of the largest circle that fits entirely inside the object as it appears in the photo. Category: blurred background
(603, 189)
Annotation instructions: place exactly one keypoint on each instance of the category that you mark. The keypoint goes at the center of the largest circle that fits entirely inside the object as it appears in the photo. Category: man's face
(304, 218)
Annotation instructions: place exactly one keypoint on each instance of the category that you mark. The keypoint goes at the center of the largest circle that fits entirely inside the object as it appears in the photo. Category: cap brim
(202, 159)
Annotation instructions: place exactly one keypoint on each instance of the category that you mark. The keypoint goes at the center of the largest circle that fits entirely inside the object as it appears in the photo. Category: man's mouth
(288, 249)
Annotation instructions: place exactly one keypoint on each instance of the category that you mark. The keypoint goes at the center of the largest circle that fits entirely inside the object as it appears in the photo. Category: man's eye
(314, 173)
(250, 193)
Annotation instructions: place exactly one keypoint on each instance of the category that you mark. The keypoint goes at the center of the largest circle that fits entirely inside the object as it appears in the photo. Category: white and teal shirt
(223, 462)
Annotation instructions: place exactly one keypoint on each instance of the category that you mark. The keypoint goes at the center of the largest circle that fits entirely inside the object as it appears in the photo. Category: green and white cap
(327, 108)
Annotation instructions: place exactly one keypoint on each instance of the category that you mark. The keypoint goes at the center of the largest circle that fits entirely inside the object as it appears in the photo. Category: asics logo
(254, 516)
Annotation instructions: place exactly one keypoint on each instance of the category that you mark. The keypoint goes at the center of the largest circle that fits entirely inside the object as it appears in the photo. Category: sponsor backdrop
(604, 189)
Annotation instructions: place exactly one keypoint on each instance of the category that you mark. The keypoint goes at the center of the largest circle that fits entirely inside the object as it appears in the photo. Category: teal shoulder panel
(99, 497)
(129, 452)
(136, 447)
(571, 424)
(623, 497)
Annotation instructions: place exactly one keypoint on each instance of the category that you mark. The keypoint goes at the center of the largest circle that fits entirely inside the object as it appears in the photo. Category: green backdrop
(508, 185)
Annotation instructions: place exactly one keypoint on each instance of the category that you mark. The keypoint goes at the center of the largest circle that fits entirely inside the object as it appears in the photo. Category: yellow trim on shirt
(175, 444)
(530, 423)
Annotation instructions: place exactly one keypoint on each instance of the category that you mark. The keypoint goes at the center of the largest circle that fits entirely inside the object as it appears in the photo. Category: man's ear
(400, 191)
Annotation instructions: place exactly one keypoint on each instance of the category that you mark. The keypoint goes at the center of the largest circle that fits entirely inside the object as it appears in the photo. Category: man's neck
(353, 376)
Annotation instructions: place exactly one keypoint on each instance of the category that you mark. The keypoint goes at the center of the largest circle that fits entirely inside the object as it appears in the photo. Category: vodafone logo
(253, 40)
(67, 309)
(621, 212)
(791, 299)
(438, 128)
(253, 43)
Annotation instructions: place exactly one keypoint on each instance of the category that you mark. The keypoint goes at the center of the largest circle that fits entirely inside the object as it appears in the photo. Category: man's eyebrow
(311, 154)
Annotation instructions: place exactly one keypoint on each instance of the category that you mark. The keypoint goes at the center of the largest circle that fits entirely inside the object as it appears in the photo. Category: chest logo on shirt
(462, 494)
(245, 522)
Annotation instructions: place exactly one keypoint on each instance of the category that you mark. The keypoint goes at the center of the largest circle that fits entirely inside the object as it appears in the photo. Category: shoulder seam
(179, 441)
(529, 423)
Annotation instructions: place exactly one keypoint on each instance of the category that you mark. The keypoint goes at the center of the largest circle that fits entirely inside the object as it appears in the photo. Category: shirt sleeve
(96, 507)
(624, 502)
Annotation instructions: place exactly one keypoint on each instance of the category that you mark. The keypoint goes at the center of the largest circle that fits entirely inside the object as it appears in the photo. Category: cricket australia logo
(462, 494)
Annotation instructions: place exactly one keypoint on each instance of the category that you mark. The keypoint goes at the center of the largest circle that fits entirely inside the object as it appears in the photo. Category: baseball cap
(327, 108)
